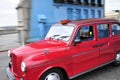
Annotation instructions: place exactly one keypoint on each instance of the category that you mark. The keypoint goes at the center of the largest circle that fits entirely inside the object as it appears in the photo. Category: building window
(79, 1)
(92, 2)
(115, 29)
(70, 13)
(78, 14)
(93, 13)
(85, 13)
(76, 2)
(58, 1)
(99, 3)
(103, 30)
(68, 1)
(99, 14)
(86, 2)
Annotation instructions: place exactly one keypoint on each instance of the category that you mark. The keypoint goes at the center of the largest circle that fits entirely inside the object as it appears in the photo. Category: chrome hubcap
(52, 76)
(118, 57)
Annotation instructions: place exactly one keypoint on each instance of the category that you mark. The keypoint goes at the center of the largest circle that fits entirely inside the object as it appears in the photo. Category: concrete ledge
(3, 32)
(8, 47)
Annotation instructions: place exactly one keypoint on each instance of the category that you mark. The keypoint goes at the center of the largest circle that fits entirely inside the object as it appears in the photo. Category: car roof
(97, 20)
(90, 21)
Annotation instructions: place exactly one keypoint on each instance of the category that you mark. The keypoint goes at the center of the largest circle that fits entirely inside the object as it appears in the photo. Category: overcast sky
(8, 13)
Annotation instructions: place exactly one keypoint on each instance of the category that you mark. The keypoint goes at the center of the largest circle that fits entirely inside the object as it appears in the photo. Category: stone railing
(4, 32)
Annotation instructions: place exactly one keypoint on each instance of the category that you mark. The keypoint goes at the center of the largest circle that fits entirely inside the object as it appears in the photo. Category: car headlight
(9, 53)
(23, 66)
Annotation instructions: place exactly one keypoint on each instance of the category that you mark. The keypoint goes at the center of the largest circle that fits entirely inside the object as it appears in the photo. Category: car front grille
(14, 63)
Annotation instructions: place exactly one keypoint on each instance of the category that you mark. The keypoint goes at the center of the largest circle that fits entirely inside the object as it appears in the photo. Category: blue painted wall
(44, 13)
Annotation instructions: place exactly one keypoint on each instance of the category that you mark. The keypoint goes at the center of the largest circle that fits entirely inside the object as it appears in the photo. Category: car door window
(103, 30)
(115, 29)
(85, 33)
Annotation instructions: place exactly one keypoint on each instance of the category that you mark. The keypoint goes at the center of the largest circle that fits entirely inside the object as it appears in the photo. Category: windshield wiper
(54, 36)
(62, 37)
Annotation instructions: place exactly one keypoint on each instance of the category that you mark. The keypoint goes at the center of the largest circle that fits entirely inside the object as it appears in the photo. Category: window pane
(86, 33)
(78, 14)
(85, 13)
(99, 14)
(103, 30)
(115, 29)
(93, 13)
(70, 13)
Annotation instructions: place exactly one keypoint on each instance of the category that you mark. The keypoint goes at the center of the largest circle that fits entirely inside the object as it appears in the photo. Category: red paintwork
(46, 54)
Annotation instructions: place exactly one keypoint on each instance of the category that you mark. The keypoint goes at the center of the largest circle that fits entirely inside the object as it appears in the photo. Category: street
(108, 72)
(3, 63)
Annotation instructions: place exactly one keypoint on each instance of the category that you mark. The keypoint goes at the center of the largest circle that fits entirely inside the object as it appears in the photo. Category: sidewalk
(9, 41)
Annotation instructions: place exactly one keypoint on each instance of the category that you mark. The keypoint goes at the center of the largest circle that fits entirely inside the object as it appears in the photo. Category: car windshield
(60, 32)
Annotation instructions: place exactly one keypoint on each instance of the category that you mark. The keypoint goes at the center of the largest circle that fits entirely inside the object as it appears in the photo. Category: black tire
(52, 73)
(117, 60)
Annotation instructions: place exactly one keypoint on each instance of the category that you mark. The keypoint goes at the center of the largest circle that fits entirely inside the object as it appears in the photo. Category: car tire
(53, 74)
(117, 60)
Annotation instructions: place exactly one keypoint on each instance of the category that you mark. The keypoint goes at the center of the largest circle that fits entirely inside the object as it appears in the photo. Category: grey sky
(8, 13)
(112, 5)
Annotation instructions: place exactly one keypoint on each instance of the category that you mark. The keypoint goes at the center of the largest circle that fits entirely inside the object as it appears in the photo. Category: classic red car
(70, 49)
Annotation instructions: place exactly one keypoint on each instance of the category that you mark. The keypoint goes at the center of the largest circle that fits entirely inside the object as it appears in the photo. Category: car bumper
(9, 74)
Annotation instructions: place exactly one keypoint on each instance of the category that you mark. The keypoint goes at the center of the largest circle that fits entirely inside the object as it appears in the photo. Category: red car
(70, 48)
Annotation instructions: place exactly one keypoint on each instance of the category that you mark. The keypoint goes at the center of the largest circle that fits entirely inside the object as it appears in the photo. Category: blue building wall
(44, 13)
(40, 10)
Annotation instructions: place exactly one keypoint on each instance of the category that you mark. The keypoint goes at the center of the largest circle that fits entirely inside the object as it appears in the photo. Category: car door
(106, 53)
(115, 38)
(85, 54)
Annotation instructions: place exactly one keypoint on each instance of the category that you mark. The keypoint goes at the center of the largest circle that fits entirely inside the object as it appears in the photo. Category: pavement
(9, 41)
(3, 64)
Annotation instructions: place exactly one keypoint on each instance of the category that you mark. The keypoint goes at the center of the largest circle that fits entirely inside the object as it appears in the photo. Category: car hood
(38, 47)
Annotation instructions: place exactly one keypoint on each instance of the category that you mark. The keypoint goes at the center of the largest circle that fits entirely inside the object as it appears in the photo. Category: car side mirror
(77, 40)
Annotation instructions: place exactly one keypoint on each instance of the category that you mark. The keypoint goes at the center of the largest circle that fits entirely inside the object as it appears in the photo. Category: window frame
(112, 29)
(98, 30)
(94, 31)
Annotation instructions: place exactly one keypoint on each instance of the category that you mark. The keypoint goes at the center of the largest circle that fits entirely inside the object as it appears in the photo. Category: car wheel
(54, 74)
(117, 60)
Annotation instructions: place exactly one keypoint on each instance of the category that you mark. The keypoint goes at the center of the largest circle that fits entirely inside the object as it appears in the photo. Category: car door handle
(98, 45)
(102, 44)
(95, 46)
